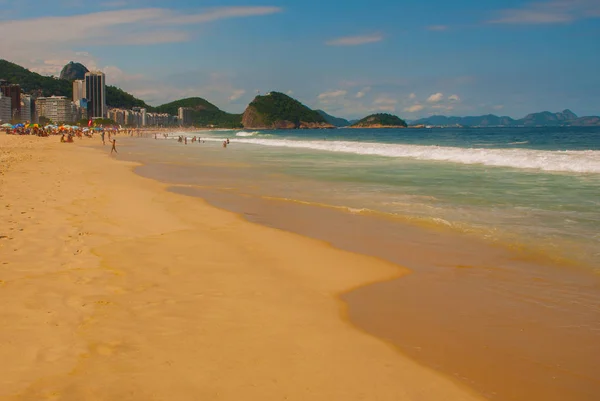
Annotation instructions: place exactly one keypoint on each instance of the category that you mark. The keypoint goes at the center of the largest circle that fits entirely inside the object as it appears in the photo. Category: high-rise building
(95, 90)
(57, 109)
(5, 108)
(13, 91)
(78, 90)
(185, 116)
(26, 107)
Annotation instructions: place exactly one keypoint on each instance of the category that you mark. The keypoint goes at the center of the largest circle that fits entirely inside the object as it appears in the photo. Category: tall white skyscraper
(78, 90)
(26, 108)
(5, 108)
(95, 90)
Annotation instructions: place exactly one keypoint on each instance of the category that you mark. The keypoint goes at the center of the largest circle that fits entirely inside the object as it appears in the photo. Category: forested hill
(51, 86)
(276, 110)
(380, 120)
(204, 113)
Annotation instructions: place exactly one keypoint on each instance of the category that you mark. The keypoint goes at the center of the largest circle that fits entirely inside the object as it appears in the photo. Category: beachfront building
(117, 115)
(95, 90)
(5, 108)
(12, 91)
(26, 108)
(57, 109)
(132, 118)
(185, 116)
(144, 117)
(78, 90)
(161, 119)
(82, 109)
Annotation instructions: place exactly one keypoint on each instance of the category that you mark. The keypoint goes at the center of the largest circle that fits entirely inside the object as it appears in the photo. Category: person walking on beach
(102, 136)
(114, 146)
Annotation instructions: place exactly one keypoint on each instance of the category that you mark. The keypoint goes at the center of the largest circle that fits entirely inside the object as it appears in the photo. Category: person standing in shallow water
(114, 147)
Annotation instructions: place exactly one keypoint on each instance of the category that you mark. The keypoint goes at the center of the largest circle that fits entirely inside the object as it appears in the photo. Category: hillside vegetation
(380, 120)
(279, 111)
(51, 86)
(204, 113)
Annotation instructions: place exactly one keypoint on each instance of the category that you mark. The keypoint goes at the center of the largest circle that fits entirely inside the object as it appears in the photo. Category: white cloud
(54, 37)
(454, 98)
(498, 107)
(385, 100)
(332, 94)
(363, 92)
(355, 40)
(237, 93)
(435, 98)
(549, 12)
(442, 107)
(437, 27)
(414, 108)
(290, 92)
(412, 96)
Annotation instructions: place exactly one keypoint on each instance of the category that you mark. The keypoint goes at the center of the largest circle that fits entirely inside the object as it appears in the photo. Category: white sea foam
(578, 161)
(244, 133)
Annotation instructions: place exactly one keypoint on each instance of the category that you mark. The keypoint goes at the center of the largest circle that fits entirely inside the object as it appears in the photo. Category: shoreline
(452, 317)
(462, 281)
(182, 298)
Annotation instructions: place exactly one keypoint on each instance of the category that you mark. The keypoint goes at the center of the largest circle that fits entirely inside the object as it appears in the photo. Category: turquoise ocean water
(537, 188)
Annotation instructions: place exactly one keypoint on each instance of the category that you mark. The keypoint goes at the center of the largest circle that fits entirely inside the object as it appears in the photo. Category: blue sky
(351, 58)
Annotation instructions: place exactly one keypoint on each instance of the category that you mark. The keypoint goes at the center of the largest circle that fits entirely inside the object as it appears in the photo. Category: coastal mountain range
(271, 111)
(544, 118)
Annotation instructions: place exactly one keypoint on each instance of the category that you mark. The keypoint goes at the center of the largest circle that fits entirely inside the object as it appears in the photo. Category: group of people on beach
(183, 139)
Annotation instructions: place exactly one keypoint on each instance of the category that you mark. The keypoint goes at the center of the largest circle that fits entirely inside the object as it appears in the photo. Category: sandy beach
(113, 288)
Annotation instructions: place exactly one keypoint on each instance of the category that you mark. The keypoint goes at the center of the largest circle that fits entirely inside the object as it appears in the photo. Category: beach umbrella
(20, 125)
(7, 125)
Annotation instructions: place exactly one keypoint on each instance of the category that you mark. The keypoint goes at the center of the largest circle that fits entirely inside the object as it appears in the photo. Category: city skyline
(503, 57)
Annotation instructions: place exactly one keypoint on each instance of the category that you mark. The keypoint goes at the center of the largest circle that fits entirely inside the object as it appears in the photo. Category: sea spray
(574, 161)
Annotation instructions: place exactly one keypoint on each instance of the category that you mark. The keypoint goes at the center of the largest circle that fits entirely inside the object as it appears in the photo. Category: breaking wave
(244, 133)
(577, 161)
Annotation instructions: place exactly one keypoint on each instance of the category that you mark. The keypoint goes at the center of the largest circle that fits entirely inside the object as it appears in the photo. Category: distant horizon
(326, 111)
(466, 58)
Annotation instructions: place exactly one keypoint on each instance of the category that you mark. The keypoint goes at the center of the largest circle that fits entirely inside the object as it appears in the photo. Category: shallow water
(538, 188)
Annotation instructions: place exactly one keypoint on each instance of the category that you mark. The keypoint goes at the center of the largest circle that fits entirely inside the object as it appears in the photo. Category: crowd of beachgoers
(48, 130)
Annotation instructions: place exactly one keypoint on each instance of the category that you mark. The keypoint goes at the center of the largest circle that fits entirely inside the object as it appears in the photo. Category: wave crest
(575, 161)
(245, 134)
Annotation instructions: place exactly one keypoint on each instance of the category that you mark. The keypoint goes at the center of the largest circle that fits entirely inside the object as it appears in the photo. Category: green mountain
(31, 81)
(338, 122)
(381, 120)
(276, 110)
(488, 120)
(204, 113)
(48, 86)
(73, 71)
(116, 97)
(548, 118)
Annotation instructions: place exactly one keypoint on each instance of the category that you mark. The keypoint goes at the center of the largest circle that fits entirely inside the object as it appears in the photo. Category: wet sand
(113, 288)
(508, 325)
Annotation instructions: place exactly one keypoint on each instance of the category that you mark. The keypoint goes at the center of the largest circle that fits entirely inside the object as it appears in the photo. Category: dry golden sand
(111, 288)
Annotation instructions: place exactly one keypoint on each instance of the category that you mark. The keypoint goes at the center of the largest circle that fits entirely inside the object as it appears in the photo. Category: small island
(381, 120)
